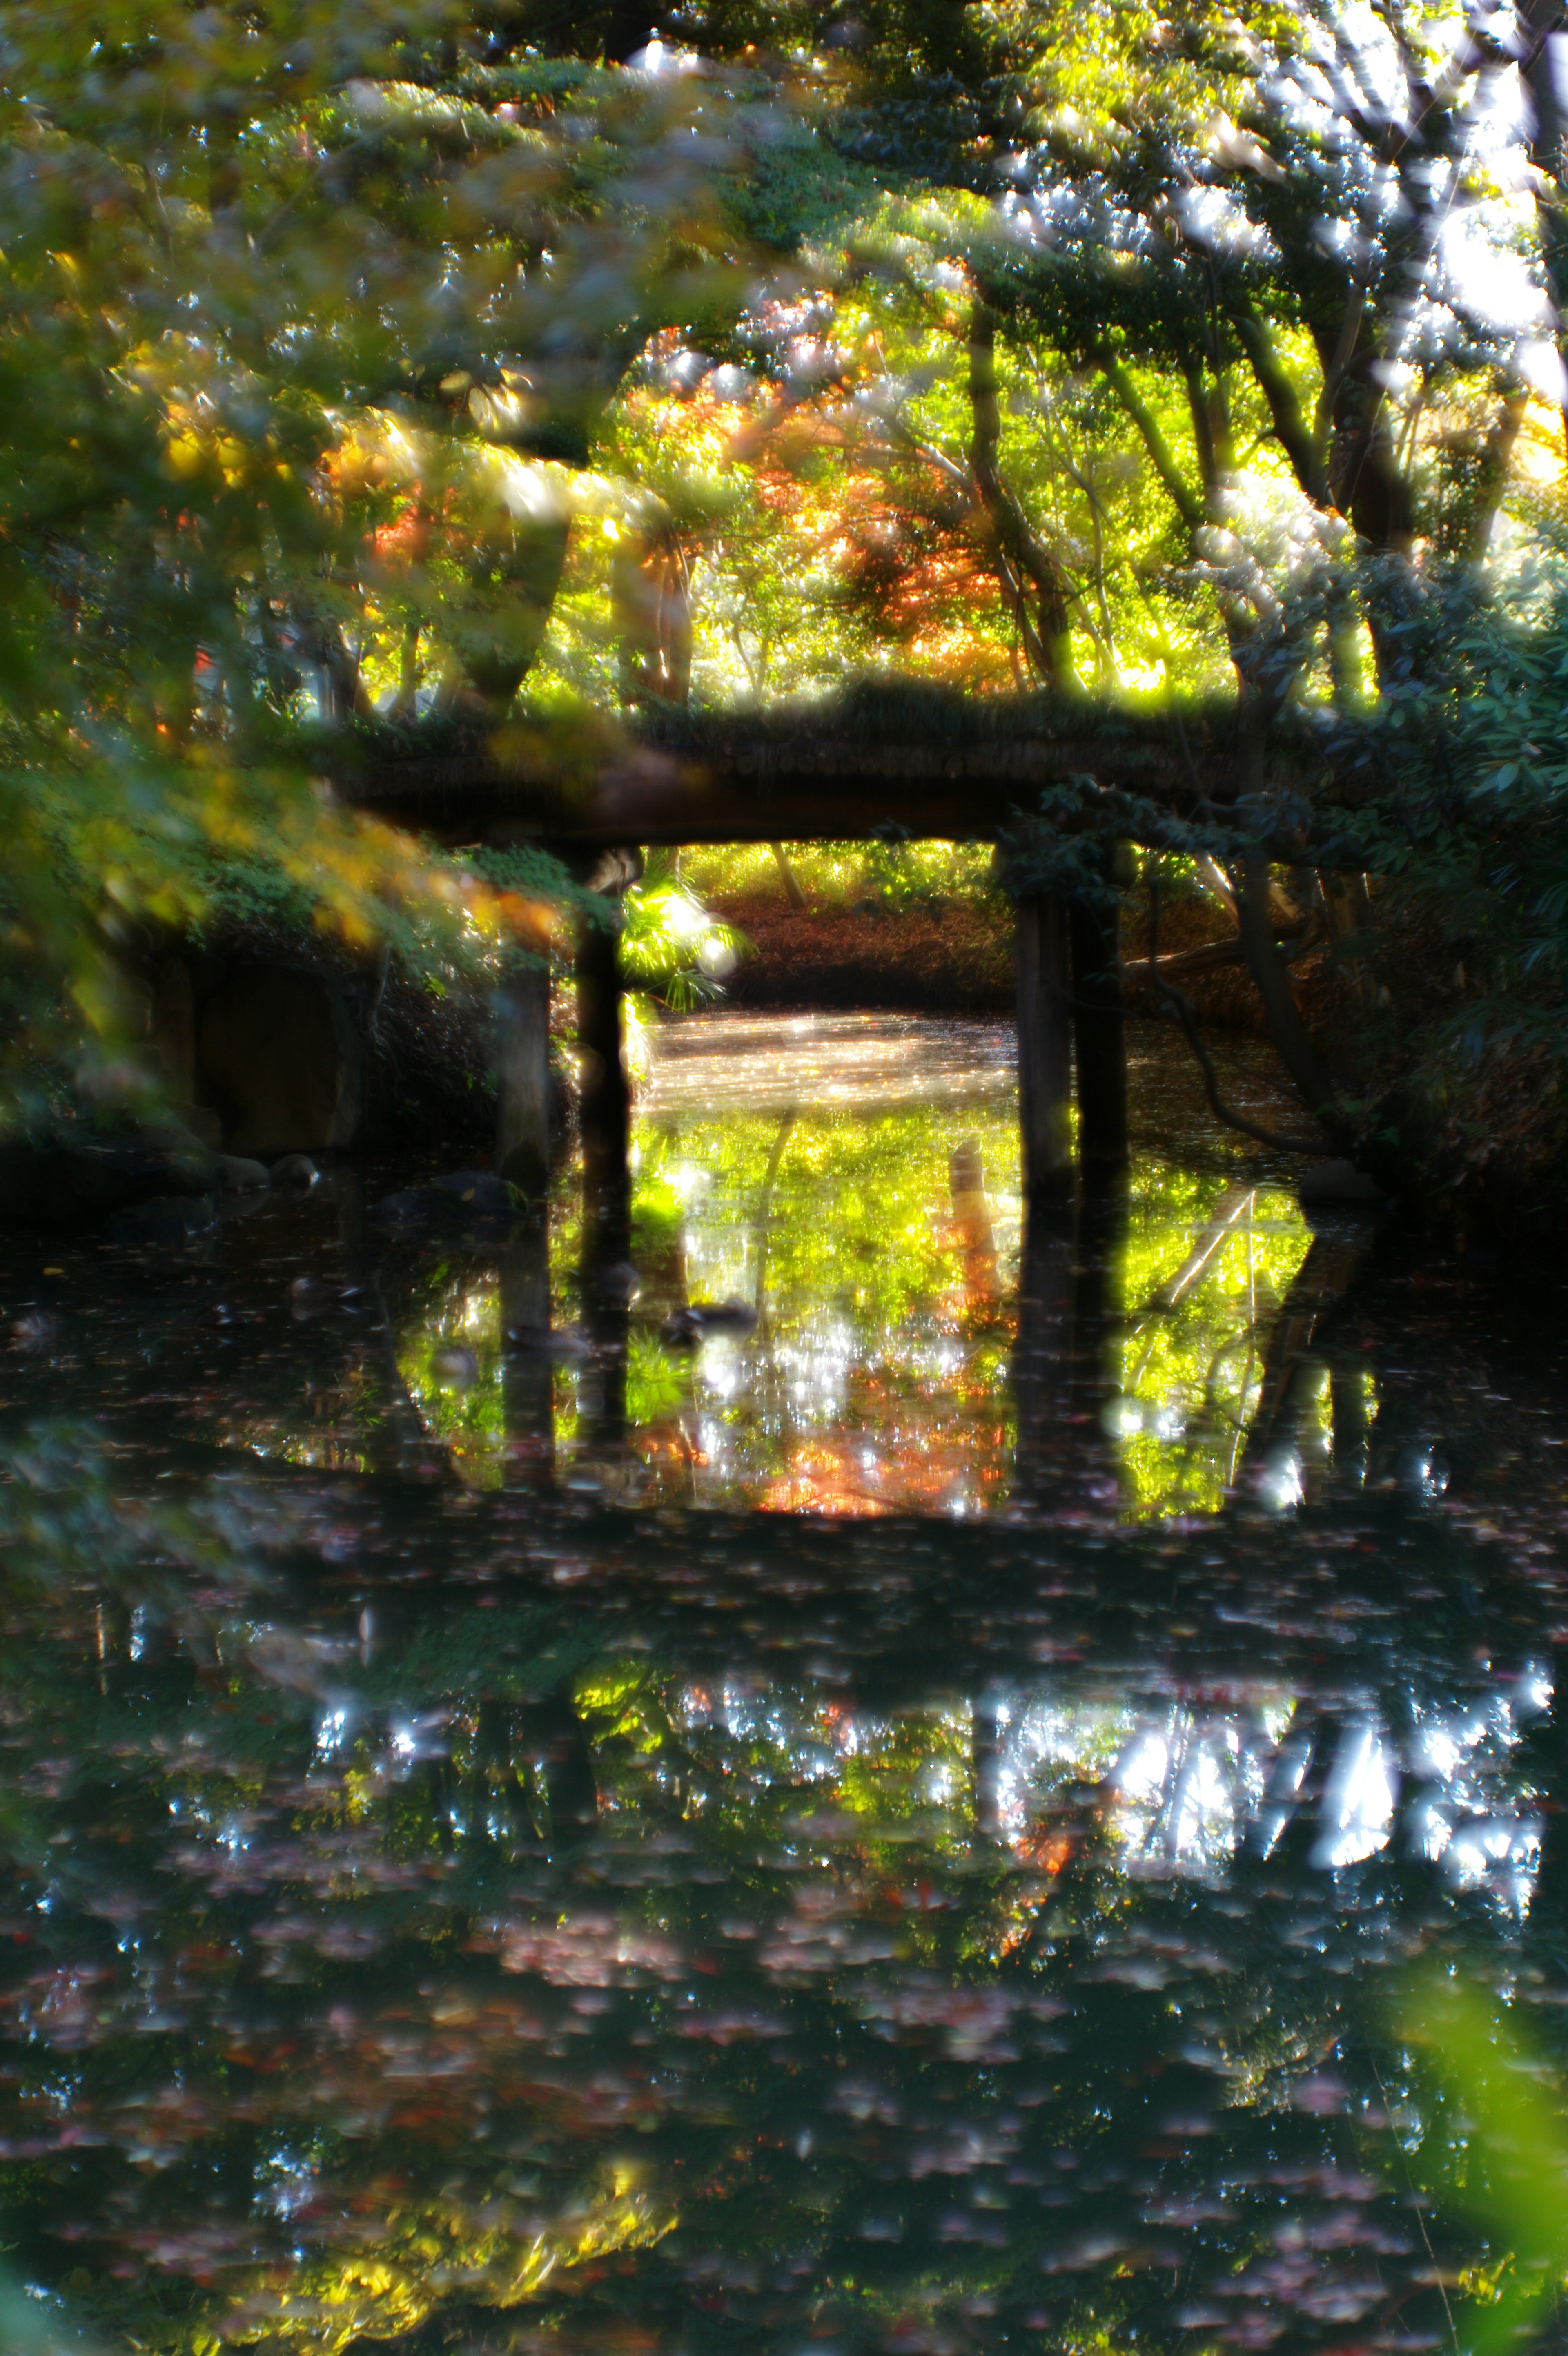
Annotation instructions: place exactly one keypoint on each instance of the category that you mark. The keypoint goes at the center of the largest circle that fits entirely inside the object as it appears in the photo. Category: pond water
(989, 1792)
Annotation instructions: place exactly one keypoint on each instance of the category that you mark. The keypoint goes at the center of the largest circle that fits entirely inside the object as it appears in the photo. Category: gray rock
(68, 1180)
(184, 1128)
(557, 1342)
(165, 1219)
(685, 1327)
(404, 1213)
(1340, 1182)
(467, 1198)
(478, 1193)
(240, 1176)
(617, 1285)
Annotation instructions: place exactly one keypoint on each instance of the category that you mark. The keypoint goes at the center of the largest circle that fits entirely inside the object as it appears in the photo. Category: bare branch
(1182, 1006)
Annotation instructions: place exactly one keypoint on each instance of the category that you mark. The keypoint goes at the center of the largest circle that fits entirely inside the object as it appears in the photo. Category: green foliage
(923, 873)
(1494, 2146)
(672, 950)
(270, 296)
(358, 404)
(1470, 753)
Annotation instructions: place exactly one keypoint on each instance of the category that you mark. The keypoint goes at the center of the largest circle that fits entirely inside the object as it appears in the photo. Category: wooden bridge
(883, 760)
(900, 761)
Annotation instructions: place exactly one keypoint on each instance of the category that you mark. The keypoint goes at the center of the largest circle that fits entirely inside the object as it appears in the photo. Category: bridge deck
(932, 765)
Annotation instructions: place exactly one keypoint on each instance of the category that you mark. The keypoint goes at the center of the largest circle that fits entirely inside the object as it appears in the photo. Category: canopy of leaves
(455, 373)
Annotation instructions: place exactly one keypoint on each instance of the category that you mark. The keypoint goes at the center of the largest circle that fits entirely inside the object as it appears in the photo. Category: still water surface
(944, 1811)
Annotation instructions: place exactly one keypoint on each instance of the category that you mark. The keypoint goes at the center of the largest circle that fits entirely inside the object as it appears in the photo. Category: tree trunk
(1543, 24)
(792, 891)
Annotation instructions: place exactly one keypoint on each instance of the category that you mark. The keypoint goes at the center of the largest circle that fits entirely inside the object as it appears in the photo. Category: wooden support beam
(1098, 1325)
(1042, 1354)
(528, 1370)
(1099, 1028)
(925, 761)
(604, 1103)
(1045, 1046)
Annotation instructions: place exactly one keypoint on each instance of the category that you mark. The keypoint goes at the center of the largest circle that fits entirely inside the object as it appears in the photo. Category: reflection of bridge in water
(1072, 1322)
(703, 1924)
(922, 769)
(475, 1900)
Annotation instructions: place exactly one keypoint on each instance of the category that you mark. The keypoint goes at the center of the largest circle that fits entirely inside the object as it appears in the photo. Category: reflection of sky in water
(1177, 1789)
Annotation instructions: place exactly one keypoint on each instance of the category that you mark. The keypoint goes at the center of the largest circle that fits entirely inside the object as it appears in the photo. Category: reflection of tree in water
(885, 1367)
(500, 1965)
(881, 1370)
(665, 1954)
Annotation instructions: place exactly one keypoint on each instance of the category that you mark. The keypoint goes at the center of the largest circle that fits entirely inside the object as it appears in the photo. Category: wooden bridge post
(604, 1125)
(1098, 1331)
(1045, 1046)
(1041, 1365)
(528, 1373)
(522, 1077)
(1099, 1028)
(604, 1103)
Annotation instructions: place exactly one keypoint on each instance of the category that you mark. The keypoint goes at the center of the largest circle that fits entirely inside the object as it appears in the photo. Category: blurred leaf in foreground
(1495, 2144)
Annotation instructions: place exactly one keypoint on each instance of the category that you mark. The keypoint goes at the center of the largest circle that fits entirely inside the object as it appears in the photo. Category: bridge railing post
(605, 1097)
(1099, 1030)
(1045, 1046)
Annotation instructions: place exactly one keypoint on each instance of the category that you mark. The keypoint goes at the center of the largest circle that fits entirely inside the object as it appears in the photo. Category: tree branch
(1023, 553)
(1290, 1033)
(1291, 430)
(1211, 957)
(1187, 506)
(1182, 1007)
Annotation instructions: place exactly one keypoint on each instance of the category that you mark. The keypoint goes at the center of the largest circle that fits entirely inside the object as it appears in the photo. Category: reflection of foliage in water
(878, 1333)
(459, 1312)
(921, 1995)
(1189, 1373)
(881, 1369)
(493, 2253)
(874, 1375)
